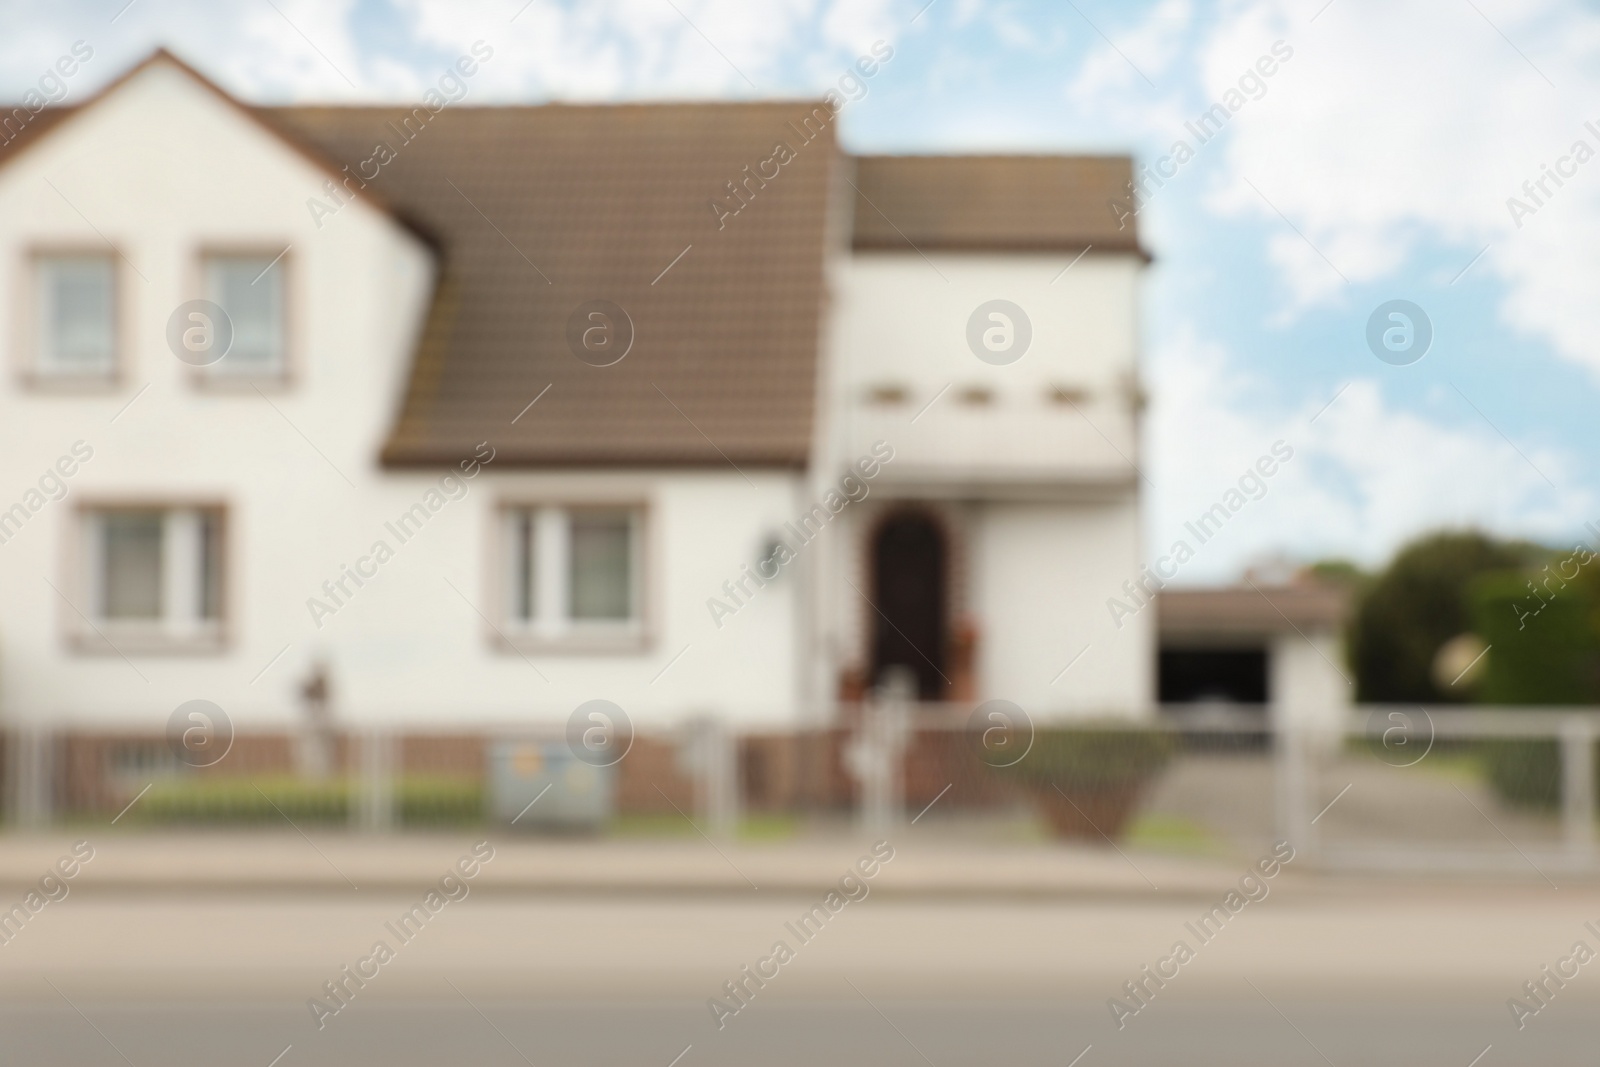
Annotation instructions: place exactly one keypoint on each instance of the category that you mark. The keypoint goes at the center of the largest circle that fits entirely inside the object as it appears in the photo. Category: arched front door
(910, 625)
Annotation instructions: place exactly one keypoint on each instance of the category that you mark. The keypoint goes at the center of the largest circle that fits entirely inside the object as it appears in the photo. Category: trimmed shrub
(207, 800)
(1086, 781)
(1090, 758)
(1552, 657)
(440, 800)
(422, 800)
(1542, 653)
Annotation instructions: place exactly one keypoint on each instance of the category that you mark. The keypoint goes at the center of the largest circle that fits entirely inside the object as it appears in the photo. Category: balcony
(976, 442)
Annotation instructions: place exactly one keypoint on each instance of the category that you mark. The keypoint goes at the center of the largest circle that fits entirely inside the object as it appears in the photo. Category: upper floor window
(574, 572)
(250, 288)
(77, 316)
(154, 573)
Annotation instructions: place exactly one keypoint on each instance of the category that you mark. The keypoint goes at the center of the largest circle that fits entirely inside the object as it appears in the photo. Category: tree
(1420, 601)
(1340, 572)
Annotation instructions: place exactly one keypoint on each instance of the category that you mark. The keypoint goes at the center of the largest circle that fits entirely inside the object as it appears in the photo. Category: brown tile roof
(992, 203)
(537, 210)
(1243, 610)
(21, 127)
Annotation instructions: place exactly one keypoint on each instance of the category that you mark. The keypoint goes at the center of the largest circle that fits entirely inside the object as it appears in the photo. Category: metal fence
(1391, 788)
(1418, 788)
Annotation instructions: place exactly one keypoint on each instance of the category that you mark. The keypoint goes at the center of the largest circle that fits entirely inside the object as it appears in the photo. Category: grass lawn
(1173, 833)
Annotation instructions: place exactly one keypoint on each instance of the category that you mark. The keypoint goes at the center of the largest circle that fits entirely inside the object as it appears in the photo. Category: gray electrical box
(566, 794)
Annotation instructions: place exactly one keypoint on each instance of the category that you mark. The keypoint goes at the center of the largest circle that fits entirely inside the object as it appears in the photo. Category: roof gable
(42, 123)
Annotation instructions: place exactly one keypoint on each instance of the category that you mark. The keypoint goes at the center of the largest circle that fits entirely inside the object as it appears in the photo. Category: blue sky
(1375, 165)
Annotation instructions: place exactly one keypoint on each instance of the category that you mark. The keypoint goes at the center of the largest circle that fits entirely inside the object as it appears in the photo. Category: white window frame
(39, 363)
(552, 624)
(181, 624)
(221, 374)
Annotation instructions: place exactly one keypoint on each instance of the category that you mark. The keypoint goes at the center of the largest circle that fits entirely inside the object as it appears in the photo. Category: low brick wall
(648, 779)
(460, 754)
(939, 758)
(101, 772)
(778, 771)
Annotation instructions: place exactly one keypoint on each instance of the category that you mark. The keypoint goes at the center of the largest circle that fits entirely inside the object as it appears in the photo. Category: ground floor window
(154, 572)
(575, 570)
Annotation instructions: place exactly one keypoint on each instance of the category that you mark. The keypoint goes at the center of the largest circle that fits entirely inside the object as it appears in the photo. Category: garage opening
(1205, 675)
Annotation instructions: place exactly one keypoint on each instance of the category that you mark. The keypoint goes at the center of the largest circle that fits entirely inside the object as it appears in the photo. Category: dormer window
(250, 288)
(77, 324)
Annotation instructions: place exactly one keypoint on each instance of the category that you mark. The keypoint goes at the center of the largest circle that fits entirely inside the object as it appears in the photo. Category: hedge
(1551, 657)
(422, 800)
(1093, 758)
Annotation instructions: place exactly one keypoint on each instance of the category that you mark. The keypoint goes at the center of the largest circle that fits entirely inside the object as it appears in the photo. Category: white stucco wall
(1040, 497)
(901, 320)
(1307, 683)
(1038, 574)
(162, 168)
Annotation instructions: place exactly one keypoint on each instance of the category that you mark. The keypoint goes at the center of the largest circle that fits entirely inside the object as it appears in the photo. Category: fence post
(1577, 786)
(375, 810)
(31, 774)
(723, 781)
(710, 755)
(878, 753)
(1294, 785)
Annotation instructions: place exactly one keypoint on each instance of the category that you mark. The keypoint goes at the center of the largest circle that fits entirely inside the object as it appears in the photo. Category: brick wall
(778, 771)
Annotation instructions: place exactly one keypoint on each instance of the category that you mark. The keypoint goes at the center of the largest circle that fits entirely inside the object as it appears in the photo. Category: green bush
(245, 800)
(1091, 758)
(1525, 772)
(423, 800)
(1542, 653)
(441, 800)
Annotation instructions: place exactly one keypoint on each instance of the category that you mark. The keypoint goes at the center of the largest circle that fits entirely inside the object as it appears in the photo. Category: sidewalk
(925, 865)
(267, 917)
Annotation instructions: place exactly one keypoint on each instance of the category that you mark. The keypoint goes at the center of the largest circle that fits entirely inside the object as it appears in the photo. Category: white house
(674, 405)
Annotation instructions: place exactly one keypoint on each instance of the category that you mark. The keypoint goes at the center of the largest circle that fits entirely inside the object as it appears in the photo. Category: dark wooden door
(910, 625)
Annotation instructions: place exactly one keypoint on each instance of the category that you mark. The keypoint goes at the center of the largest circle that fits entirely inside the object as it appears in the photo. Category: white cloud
(1399, 125)
(1110, 82)
(1365, 476)
(1149, 49)
(596, 49)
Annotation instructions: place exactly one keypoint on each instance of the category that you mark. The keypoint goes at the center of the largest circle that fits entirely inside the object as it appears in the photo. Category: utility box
(565, 793)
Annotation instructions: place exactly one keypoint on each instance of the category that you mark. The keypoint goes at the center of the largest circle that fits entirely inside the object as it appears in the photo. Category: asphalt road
(1370, 973)
(1239, 1032)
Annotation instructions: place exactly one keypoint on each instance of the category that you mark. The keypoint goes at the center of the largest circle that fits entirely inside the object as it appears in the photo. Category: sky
(1384, 158)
